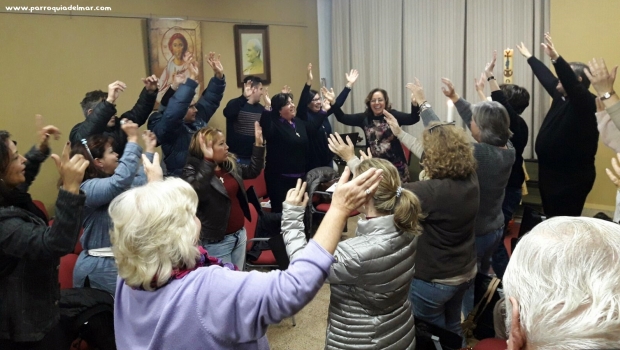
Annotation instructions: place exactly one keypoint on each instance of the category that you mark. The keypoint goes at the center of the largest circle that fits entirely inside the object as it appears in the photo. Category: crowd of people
(168, 239)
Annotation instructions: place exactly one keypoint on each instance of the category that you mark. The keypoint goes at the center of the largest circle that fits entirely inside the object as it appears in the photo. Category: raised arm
(96, 122)
(21, 237)
(541, 71)
(171, 122)
(410, 141)
(578, 95)
(498, 95)
(140, 112)
(462, 106)
(257, 161)
(211, 97)
(102, 191)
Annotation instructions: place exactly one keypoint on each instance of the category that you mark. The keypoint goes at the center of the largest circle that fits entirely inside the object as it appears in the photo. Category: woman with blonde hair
(370, 280)
(218, 180)
(172, 295)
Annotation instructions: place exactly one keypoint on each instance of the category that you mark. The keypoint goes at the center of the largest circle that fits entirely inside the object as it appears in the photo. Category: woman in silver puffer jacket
(369, 306)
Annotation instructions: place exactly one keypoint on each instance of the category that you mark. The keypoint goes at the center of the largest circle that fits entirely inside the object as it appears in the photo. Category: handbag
(432, 337)
(479, 322)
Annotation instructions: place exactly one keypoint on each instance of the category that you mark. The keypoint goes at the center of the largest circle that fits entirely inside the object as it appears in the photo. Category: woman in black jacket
(30, 250)
(222, 202)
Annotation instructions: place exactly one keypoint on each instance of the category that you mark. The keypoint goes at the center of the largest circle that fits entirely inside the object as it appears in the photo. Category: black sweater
(519, 140)
(446, 247)
(288, 146)
(568, 136)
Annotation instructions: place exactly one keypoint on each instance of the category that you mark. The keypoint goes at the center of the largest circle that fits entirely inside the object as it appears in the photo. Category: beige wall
(582, 30)
(51, 61)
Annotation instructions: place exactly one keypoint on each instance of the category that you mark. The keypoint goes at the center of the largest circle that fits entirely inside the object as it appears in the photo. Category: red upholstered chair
(266, 258)
(320, 209)
(407, 152)
(260, 187)
(491, 344)
(67, 263)
(41, 207)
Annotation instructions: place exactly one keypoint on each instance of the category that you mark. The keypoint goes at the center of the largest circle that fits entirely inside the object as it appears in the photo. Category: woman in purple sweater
(172, 295)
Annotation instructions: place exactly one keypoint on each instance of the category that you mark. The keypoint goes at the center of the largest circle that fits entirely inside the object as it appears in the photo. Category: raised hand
(490, 66)
(286, 89)
(258, 135)
(206, 148)
(344, 150)
(193, 69)
(266, 97)
(309, 75)
(549, 48)
(329, 95)
(479, 84)
(614, 176)
(417, 92)
(392, 122)
(352, 77)
(326, 105)
(600, 106)
(131, 129)
(71, 170)
(524, 50)
(350, 195)
(188, 57)
(150, 141)
(364, 156)
(297, 196)
(177, 80)
(448, 90)
(114, 90)
(216, 64)
(44, 133)
(153, 170)
(247, 89)
(150, 83)
(602, 80)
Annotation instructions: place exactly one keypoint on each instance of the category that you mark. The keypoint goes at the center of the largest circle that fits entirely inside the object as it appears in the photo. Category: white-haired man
(562, 286)
(254, 50)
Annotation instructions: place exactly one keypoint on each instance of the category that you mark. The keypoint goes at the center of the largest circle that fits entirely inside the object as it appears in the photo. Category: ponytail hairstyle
(391, 198)
(211, 134)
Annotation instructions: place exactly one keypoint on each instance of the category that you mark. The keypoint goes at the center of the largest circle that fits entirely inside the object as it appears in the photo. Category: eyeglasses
(316, 99)
(377, 100)
(430, 130)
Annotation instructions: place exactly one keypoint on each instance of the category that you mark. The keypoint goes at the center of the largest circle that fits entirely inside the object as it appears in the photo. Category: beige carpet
(309, 334)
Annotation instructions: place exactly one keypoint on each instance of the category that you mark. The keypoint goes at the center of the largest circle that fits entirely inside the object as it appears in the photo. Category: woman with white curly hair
(562, 286)
(172, 295)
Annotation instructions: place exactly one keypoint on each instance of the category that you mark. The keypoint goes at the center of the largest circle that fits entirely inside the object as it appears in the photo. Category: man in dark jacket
(100, 113)
(175, 125)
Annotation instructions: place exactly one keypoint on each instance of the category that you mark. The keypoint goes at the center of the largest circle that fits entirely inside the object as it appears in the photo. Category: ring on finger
(368, 191)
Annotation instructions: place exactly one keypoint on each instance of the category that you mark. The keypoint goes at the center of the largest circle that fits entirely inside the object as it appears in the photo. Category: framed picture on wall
(252, 52)
(171, 44)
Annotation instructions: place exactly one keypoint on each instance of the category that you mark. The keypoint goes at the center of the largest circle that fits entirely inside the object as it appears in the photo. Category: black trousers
(277, 187)
(564, 192)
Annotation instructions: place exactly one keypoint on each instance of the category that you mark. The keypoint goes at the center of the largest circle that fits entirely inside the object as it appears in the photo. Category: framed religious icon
(172, 44)
(252, 53)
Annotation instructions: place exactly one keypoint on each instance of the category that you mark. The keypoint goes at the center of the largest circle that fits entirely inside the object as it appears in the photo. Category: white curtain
(392, 41)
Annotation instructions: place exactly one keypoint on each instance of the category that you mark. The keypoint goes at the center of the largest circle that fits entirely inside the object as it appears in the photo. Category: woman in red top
(222, 202)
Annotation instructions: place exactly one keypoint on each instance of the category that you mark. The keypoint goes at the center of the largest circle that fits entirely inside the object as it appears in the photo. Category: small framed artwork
(252, 53)
(171, 44)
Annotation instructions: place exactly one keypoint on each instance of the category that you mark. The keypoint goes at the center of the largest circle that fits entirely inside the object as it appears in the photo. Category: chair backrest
(260, 186)
(41, 207)
(65, 270)
(407, 153)
(250, 226)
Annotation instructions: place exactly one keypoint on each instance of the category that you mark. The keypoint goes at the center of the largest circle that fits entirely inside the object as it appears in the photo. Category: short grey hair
(154, 232)
(257, 45)
(493, 121)
(565, 275)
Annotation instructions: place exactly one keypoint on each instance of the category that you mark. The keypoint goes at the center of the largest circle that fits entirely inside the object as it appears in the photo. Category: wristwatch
(607, 95)
(424, 106)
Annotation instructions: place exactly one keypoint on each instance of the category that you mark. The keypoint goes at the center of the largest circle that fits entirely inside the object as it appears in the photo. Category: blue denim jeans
(438, 304)
(512, 198)
(485, 246)
(230, 249)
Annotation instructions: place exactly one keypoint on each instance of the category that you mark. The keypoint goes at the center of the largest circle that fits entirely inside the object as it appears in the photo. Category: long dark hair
(5, 152)
(97, 144)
